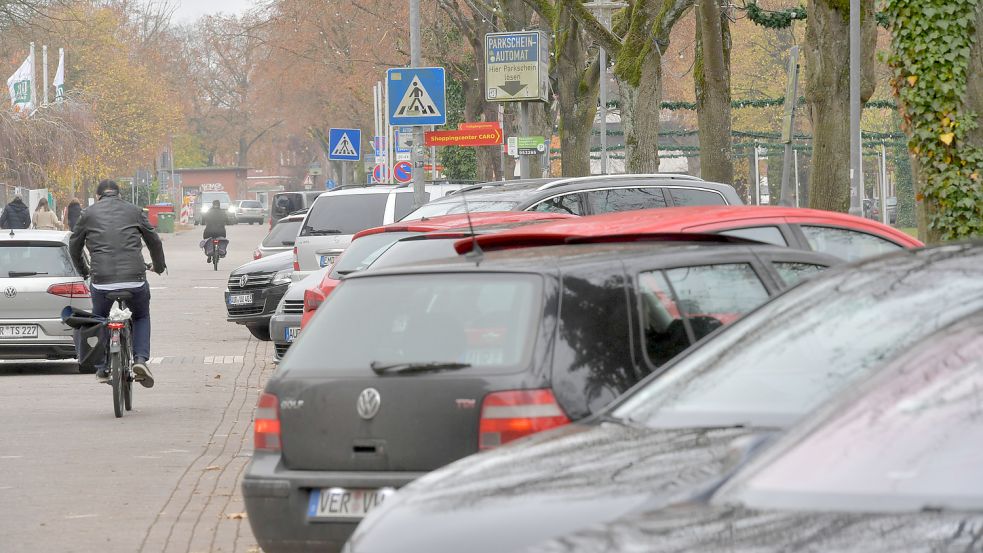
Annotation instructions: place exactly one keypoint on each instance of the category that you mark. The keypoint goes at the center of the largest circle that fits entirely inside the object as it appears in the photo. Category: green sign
(531, 145)
(22, 92)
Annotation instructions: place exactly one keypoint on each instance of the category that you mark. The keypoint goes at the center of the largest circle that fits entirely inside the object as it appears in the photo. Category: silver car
(249, 211)
(281, 237)
(285, 323)
(37, 281)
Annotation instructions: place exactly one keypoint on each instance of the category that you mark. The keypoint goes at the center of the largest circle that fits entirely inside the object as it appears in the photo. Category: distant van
(285, 203)
(203, 203)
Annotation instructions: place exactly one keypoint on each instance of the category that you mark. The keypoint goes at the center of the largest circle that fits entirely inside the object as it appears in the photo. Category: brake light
(257, 254)
(116, 326)
(507, 416)
(312, 299)
(266, 428)
(69, 290)
(296, 261)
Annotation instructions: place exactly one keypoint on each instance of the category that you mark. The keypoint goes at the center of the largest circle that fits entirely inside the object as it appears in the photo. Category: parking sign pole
(524, 131)
(417, 149)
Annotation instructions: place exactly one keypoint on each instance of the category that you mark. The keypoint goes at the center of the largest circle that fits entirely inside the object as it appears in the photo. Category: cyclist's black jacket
(214, 224)
(114, 232)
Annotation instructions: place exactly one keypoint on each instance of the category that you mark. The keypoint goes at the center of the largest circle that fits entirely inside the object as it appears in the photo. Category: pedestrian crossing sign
(416, 96)
(344, 144)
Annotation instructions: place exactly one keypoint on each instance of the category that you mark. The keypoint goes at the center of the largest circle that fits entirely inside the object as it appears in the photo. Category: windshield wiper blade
(321, 231)
(405, 368)
(18, 274)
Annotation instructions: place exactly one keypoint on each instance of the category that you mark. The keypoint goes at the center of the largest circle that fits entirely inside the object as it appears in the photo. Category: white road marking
(209, 360)
(158, 287)
(70, 517)
(206, 287)
(11, 456)
(146, 457)
(175, 451)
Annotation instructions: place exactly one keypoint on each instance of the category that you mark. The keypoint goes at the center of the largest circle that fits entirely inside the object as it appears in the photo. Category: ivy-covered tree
(937, 60)
(459, 163)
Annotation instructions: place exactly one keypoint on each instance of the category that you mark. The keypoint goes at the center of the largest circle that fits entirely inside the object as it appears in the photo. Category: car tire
(261, 333)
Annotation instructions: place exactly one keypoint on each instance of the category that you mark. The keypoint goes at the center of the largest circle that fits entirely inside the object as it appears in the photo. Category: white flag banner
(59, 82)
(20, 84)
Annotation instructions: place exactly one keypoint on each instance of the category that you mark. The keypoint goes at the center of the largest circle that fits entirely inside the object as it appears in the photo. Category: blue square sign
(416, 96)
(344, 144)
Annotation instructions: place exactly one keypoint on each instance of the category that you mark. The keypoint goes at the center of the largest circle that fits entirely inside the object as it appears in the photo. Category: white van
(337, 215)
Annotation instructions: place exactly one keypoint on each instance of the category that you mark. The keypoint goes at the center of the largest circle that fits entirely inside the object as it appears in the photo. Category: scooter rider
(214, 225)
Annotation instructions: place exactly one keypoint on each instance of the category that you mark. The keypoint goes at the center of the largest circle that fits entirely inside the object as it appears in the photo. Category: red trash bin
(153, 210)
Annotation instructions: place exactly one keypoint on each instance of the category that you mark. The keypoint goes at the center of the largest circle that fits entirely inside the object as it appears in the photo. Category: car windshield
(414, 250)
(362, 249)
(456, 205)
(26, 259)
(208, 197)
(909, 440)
(252, 204)
(488, 321)
(283, 234)
(345, 214)
(783, 359)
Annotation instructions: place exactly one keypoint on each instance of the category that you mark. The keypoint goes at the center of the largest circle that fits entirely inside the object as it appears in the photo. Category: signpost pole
(788, 124)
(501, 123)
(416, 152)
(44, 70)
(524, 131)
(856, 173)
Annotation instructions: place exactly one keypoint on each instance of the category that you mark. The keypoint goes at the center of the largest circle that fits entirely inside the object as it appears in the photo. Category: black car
(675, 434)
(583, 195)
(406, 369)
(255, 289)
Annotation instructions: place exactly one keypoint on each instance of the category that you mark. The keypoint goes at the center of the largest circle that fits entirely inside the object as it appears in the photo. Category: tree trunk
(711, 76)
(577, 91)
(639, 119)
(827, 92)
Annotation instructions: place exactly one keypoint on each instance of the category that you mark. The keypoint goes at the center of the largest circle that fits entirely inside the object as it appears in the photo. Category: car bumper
(279, 324)
(260, 310)
(277, 499)
(54, 341)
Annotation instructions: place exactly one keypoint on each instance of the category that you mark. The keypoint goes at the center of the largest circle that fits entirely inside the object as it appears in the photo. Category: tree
(712, 82)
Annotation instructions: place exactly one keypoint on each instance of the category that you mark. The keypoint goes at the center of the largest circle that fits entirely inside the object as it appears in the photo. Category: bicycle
(216, 244)
(120, 353)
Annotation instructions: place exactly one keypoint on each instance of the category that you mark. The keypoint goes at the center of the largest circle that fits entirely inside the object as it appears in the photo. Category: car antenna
(476, 254)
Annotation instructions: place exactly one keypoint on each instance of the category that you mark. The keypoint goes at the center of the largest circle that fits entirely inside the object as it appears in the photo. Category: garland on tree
(781, 19)
(754, 103)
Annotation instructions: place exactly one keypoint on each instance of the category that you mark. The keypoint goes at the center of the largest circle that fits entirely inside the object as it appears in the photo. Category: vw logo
(243, 280)
(9, 292)
(368, 403)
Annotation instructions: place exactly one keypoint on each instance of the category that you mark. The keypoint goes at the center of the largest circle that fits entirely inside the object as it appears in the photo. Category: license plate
(291, 333)
(326, 260)
(14, 332)
(240, 299)
(327, 503)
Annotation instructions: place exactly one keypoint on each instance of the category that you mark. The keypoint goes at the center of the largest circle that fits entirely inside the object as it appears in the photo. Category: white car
(337, 215)
(37, 281)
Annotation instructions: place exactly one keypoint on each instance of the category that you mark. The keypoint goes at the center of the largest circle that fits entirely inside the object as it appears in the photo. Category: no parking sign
(403, 172)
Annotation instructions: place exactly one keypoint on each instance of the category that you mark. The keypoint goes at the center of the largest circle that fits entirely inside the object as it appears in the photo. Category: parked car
(285, 203)
(369, 245)
(203, 204)
(584, 195)
(37, 280)
(898, 471)
(281, 237)
(674, 434)
(412, 367)
(844, 236)
(336, 216)
(254, 291)
(249, 211)
(285, 322)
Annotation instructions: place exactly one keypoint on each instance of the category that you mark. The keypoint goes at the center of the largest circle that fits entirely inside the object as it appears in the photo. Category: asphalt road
(165, 477)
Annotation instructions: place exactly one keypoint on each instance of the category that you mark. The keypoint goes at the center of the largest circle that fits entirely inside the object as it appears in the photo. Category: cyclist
(114, 232)
(214, 226)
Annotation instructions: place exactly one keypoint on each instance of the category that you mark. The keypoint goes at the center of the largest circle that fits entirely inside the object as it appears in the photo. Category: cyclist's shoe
(143, 374)
(208, 259)
(102, 375)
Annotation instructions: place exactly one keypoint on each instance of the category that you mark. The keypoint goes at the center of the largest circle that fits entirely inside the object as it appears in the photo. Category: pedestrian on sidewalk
(16, 215)
(72, 213)
(44, 218)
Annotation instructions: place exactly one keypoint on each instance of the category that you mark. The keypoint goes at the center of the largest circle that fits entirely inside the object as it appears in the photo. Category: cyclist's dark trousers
(139, 305)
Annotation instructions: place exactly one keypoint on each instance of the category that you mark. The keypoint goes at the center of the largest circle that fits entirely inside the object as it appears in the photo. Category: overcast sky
(189, 10)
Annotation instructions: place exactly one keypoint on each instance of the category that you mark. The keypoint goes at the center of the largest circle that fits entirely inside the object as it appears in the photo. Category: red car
(838, 234)
(367, 245)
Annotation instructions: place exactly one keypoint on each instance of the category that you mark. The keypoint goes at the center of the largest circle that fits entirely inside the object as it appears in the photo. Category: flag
(59, 82)
(20, 86)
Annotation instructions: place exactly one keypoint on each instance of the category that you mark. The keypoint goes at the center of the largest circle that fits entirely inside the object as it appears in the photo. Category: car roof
(463, 220)
(677, 219)
(34, 235)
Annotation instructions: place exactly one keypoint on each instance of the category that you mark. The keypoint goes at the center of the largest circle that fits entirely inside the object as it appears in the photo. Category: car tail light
(312, 299)
(257, 254)
(507, 416)
(266, 429)
(296, 261)
(69, 290)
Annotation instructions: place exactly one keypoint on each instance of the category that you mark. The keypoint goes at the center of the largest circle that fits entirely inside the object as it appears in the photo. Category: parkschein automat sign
(516, 67)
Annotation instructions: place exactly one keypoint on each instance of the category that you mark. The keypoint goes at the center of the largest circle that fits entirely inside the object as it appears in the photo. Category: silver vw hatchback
(37, 280)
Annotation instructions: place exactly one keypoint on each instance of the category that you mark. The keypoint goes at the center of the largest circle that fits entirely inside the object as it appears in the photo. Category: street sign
(314, 168)
(404, 156)
(379, 173)
(516, 66)
(404, 139)
(513, 146)
(476, 125)
(403, 172)
(417, 96)
(530, 145)
(344, 144)
(485, 136)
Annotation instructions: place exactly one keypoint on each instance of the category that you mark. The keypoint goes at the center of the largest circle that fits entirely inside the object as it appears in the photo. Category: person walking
(16, 215)
(44, 218)
(114, 232)
(72, 213)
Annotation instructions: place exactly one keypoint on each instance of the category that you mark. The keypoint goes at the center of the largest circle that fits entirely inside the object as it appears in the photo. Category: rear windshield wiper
(287, 242)
(18, 274)
(310, 231)
(405, 368)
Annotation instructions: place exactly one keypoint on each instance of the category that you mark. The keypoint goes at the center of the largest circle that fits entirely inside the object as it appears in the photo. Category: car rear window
(486, 320)
(345, 214)
(284, 231)
(457, 206)
(695, 196)
(250, 204)
(209, 197)
(357, 256)
(26, 259)
(414, 251)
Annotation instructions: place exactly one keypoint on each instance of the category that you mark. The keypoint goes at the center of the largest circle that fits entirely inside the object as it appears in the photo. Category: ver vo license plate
(334, 503)
(240, 299)
(15, 332)
(291, 333)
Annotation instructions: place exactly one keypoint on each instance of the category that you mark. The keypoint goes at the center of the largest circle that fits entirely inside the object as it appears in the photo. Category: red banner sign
(479, 125)
(482, 136)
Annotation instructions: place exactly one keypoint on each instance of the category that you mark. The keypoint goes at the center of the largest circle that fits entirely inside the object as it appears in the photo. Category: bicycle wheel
(127, 373)
(116, 378)
(215, 258)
